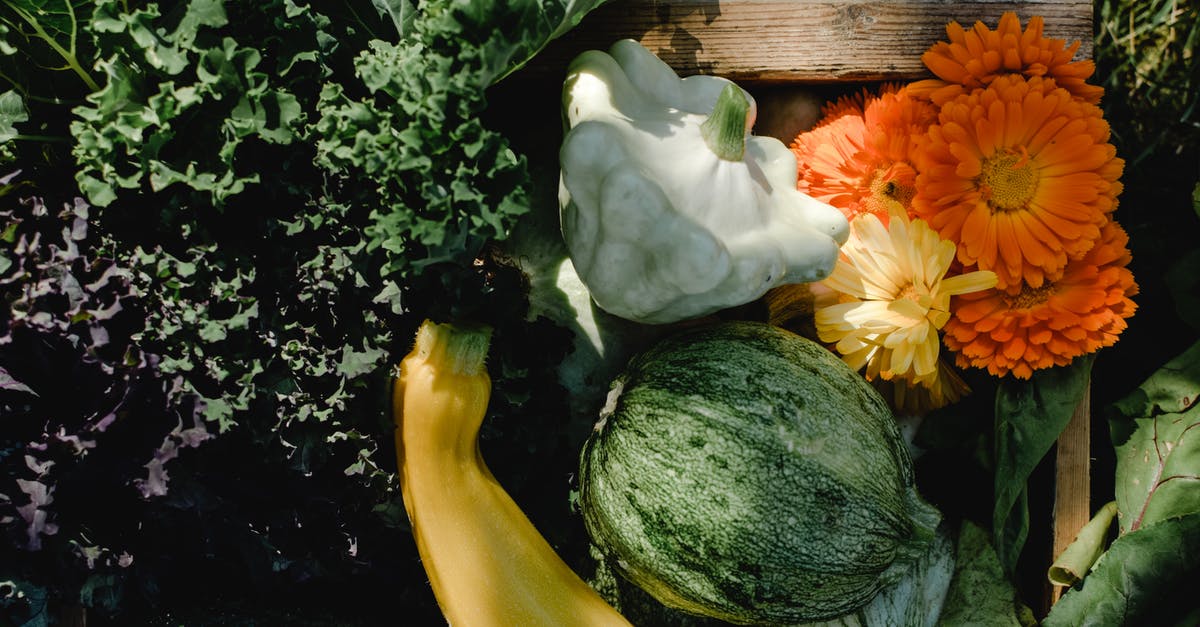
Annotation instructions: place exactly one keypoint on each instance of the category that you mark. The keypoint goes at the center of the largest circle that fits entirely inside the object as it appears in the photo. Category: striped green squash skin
(743, 472)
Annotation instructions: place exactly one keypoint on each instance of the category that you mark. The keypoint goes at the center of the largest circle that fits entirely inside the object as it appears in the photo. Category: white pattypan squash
(670, 208)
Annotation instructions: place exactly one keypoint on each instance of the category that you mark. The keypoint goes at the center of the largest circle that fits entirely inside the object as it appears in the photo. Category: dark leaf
(1147, 577)
(102, 591)
(1030, 415)
(1183, 279)
(981, 594)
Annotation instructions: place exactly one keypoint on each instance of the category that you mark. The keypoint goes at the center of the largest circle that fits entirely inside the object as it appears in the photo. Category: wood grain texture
(799, 40)
(1073, 481)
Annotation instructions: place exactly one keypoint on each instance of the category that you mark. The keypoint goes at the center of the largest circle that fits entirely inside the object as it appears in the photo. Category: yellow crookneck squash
(486, 562)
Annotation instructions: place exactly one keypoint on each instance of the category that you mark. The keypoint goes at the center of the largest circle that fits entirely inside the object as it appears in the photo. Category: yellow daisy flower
(894, 298)
(945, 388)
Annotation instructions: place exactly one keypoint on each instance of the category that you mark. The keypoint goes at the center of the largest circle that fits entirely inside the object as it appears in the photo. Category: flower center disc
(1030, 297)
(910, 292)
(1008, 181)
(889, 189)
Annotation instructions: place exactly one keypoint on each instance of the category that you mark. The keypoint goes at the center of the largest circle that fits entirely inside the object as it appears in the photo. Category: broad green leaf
(1072, 566)
(1147, 577)
(572, 12)
(1156, 431)
(980, 594)
(58, 19)
(1030, 415)
(401, 12)
(49, 29)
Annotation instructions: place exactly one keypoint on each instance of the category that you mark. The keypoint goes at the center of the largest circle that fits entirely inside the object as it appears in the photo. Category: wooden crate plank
(1073, 481)
(799, 40)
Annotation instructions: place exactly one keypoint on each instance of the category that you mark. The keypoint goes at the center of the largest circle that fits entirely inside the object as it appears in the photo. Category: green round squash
(743, 472)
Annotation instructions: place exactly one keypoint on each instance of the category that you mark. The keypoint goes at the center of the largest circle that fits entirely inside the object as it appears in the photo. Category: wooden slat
(1073, 481)
(799, 40)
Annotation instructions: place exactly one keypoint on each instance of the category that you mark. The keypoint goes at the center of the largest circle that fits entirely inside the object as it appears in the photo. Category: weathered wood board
(799, 41)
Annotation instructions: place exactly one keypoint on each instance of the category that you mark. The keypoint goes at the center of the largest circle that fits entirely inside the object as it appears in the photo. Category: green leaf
(1030, 415)
(1072, 566)
(357, 363)
(12, 112)
(56, 18)
(185, 104)
(980, 594)
(206, 13)
(401, 12)
(219, 411)
(51, 30)
(1156, 431)
(561, 16)
(573, 13)
(1147, 577)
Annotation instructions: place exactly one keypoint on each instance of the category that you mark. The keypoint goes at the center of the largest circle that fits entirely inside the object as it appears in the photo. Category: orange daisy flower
(858, 158)
(975, 58)
(1040, 327)
(1021, 176)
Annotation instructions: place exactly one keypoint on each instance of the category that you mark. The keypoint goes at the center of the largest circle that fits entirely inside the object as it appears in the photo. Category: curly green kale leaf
(12, 112)
(197, 308)
(167, 88)
(439, 182)
(442, 185)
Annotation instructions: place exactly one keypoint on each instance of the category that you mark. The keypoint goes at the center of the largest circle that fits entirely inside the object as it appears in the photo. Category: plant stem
(725, 129)
(41, 138)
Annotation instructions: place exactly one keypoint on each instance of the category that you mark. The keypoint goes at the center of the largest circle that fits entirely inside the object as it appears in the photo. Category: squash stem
(462, 348)
(725, 129)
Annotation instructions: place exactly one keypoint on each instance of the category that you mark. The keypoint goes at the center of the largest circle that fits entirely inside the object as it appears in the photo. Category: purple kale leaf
(87, 420)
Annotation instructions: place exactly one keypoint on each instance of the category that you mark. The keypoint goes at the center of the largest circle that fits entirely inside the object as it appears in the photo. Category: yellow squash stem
(486, 562)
